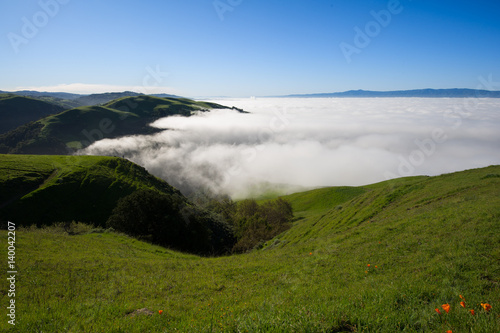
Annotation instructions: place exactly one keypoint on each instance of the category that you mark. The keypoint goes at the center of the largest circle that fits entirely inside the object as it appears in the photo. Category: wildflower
(376, 266)
(368, 265)
(437, 310)
(449, 331)
(463, 299)
(462, 304)
(160, 311)
(486, 306)
(446, 307)
(310, 253)
(472, 312)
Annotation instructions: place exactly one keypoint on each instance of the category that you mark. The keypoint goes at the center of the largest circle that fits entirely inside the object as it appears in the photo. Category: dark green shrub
(169, 220)
(254, 224)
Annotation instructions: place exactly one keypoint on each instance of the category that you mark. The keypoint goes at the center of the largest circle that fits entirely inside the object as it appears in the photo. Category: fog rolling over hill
(316, 142)
(77, 128)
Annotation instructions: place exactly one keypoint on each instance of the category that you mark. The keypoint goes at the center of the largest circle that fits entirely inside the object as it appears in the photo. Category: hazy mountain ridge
(99, 99)
(35, 94)
(424, 93)
(69, 101)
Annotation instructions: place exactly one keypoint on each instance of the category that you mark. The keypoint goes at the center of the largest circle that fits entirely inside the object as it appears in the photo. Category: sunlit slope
(43, 189)
(323, 199)
(379, 258)
(414, 207)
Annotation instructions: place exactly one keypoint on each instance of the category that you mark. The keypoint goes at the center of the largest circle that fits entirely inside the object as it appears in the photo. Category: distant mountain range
(428, 93)
(31, 93)
(69, 100)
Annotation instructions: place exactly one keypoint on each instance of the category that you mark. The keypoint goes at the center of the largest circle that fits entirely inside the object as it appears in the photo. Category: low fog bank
(305, 143)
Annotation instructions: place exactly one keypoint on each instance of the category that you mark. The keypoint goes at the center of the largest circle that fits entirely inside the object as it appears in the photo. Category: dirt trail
(17, 197)
(49, 178)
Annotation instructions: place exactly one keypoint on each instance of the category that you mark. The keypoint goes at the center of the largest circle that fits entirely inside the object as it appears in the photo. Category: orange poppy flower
(463, 299)
(472, 312)
(462, 304)
(486, 306)
(368, 265)
(437, 310)
(449, 331)
(446, 307)
(160, 311)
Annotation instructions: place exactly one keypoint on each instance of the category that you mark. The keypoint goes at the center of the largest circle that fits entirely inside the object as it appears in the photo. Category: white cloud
(316, 142)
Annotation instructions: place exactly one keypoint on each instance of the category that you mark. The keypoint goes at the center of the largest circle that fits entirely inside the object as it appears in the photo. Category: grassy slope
(43, 189)
(17, 110)
(79, 127)
(427, 241)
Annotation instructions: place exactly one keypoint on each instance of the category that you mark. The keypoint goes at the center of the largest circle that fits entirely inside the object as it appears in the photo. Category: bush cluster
(169, 220)
(255, 223)
(223, 226)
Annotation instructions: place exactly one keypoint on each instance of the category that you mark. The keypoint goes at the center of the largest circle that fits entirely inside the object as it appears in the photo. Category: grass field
(378, 258)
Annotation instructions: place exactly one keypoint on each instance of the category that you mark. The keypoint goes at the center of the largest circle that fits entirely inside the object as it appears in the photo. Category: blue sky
(247, 47)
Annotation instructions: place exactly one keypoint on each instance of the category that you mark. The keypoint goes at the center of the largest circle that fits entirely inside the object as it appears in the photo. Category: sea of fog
(314, 142)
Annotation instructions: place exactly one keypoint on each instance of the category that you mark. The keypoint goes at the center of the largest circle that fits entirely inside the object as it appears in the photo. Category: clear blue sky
(258, 48)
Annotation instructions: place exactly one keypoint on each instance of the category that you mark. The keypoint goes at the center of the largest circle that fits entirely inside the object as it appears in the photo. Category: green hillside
(18, 110)
(378, 258)
(77, 128)
(46, 189)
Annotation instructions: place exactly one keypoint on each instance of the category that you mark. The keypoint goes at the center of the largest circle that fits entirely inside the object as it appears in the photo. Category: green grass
(427, 241)
(43, 189)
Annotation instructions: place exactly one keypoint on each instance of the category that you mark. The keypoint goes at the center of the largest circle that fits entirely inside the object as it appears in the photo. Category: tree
(148, 213)
(170, 220)
(254, 224)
